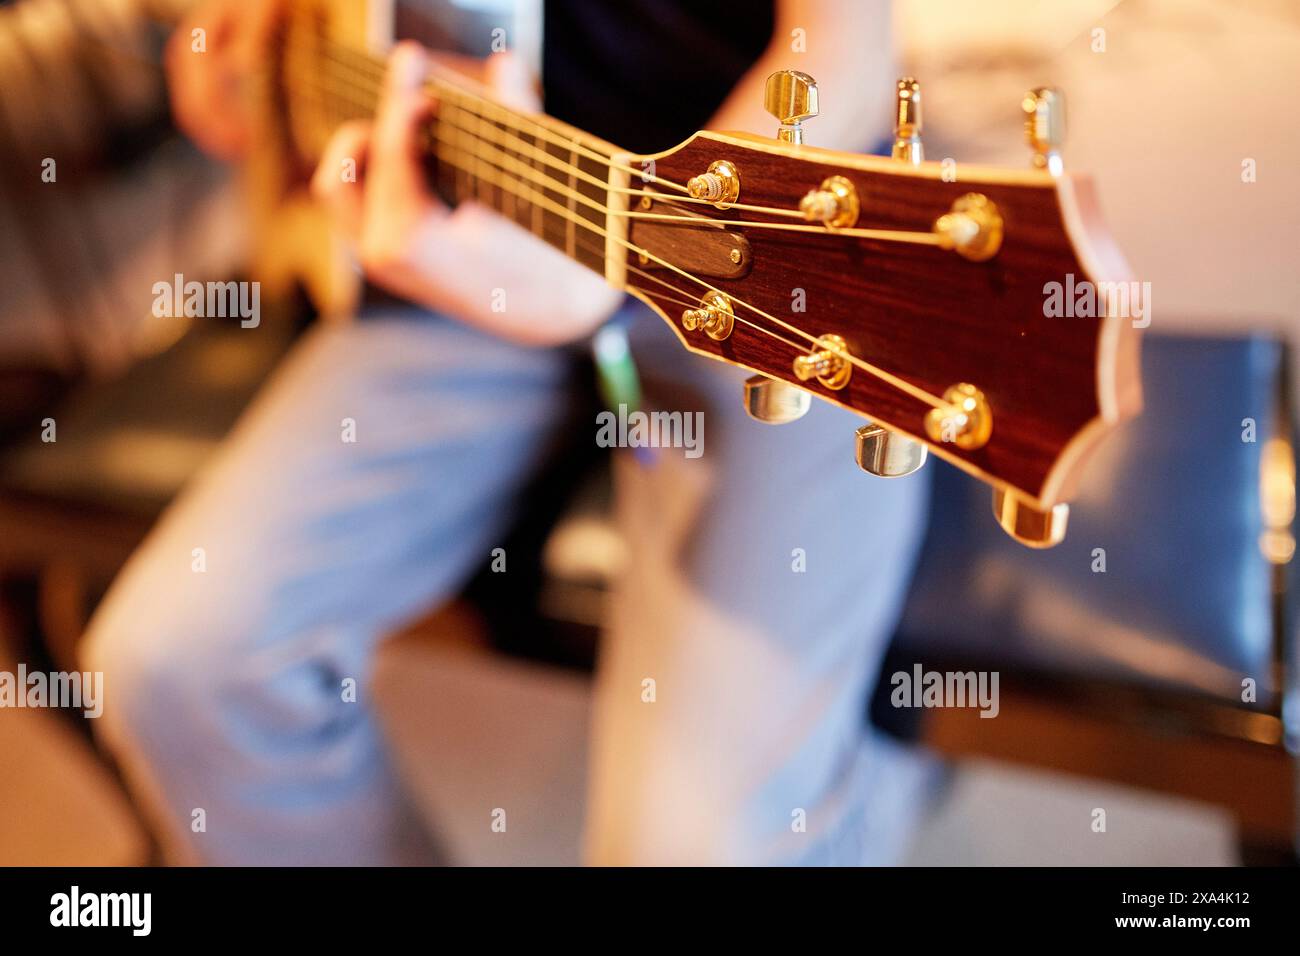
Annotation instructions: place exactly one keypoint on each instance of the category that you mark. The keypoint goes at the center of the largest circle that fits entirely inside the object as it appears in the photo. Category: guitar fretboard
(546, 177)
(551, 184)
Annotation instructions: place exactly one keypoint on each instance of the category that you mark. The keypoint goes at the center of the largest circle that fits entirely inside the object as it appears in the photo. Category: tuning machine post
(964, 419)
(719, 184)
(973, 227)
(834, 203)
(827, 361)
(715, 317)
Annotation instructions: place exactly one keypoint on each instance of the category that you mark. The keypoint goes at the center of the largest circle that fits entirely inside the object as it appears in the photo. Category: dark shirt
(646, 74)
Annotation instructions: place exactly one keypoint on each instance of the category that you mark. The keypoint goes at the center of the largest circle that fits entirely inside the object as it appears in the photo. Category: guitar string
(881, 235)
(907, 387)
(370, 70)
(452, 90)
(920, 238)
(915, 237)
(449, 112)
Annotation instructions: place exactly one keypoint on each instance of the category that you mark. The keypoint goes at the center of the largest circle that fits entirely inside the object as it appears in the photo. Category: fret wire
(485, 187)
(549, 158)
(465, 188)
(371, 72)
(463, 142)
(537, 210)
(444, 88)
(572, 203)
(478, 148)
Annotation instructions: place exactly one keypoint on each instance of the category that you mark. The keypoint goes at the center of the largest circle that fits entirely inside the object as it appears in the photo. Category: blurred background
(1121, 690)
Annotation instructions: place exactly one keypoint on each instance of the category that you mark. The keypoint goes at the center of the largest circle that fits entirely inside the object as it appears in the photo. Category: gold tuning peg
(791, 97)
(826, 362)
(720, 185)
(887, 454)
(714, 316)
(964, 418)
(773, 402)
(834, 204)
(1044, 109)
(907, 122)
(973, 227)
(1028, 524)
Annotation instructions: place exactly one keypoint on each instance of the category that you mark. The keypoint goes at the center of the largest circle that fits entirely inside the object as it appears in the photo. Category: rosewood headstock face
(929, 308)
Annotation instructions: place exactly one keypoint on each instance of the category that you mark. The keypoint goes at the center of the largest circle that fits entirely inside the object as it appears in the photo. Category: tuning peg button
(791, 97)
(1028, 524)
(773, 402)
(887, 454)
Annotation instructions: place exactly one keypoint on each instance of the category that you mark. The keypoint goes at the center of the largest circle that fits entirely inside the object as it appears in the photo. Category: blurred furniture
(72, 510)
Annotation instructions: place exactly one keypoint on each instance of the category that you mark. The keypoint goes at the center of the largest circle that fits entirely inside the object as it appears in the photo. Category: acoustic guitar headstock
(976, 313)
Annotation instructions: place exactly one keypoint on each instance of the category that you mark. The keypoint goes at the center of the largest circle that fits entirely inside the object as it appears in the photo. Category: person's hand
(469, 262)
(208, 73)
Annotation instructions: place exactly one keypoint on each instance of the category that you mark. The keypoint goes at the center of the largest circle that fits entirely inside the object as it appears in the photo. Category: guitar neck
(927, 289)
(544, 175)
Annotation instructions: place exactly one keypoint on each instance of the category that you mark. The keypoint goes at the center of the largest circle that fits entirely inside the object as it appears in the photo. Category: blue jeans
(223, 684)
